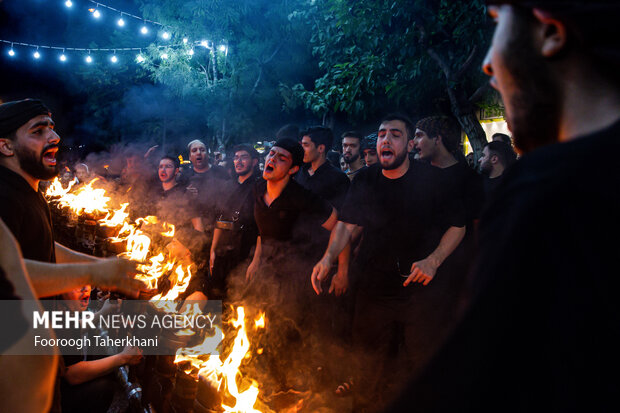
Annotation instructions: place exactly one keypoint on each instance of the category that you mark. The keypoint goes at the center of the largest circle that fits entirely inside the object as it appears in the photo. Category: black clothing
(491, 185)
(13, 325)
(403, 220)
(214, 187)
(293, 216)
(27, 215)
(542, 332)
(328, 182)
(464, 183)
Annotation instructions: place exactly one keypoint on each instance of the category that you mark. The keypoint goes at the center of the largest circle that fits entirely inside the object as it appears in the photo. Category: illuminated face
(35, 146)
(81, 173)
(167, 170)
(78, 298)
(350, 149)
(425, 145)
(243, 163)
(393, 145)
(522, 76)
(311, 151)
(278, 164)
(198, 156)
(370, 156)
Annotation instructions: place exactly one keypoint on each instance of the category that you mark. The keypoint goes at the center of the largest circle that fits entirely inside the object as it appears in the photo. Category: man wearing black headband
(28, 147)
(542, 332)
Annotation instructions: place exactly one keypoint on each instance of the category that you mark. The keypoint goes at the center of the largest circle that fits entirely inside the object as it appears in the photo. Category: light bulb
(185, 40)
(114, 59)
(68, 3)
(144, 30)
(191, 52)
(63, 58)
(37, 55)
(164, 56)
(140, 58)
(96, 14)
(120, 22)
(89, 59)
(165, 35)
(11, 52)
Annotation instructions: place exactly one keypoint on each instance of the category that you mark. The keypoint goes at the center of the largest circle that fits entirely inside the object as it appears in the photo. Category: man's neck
(242, 178)
(590, 103)
(203, 170)
(275, 188)
(316, 165)
(357, 164)
(398, 172)
(168, 185)
(443, 159)
(13, 166)
(497, 171)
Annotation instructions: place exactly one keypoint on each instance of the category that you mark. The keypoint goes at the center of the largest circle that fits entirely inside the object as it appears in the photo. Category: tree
(395, 54)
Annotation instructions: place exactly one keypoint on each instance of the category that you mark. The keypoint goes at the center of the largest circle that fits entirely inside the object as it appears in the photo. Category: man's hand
(340, 283)
(130, 355)
(116, 274)
(319, 272)
(252, 270)
(422, 272)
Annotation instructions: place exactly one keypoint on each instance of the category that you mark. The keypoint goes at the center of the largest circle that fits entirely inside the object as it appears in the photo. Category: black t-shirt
(240, 208)
(13, 326)
(462, 182)
(546, 309)
(402, 219)
(27, 215)
(327, 182)
(214, 187)
(293, 216)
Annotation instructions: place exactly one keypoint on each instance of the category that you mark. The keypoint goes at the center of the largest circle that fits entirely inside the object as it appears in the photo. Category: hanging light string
(92, 49)
(123, 13)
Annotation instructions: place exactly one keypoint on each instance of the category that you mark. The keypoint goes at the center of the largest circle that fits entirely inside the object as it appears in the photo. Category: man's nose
(487, 66)
(53, 137)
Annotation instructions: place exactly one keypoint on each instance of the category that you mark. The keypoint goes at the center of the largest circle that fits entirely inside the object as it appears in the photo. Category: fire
(118, 217)
(56, 189)
(226, 375)
(86, 200)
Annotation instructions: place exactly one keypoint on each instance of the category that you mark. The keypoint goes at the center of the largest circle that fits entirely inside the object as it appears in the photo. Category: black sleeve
(474, 196)
(315, 206)
(12, 324)
(342, 187)
(450, 207)
(11, 212)
(352, 211)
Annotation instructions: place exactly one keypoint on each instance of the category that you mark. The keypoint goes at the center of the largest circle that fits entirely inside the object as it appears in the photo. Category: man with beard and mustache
(28, 147)
(406, 236)
(496, 158)
(542, 332)
(351, 152)
(235, 230)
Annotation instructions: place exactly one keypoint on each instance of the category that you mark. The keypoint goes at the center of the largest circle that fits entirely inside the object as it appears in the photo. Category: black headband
(13, 115)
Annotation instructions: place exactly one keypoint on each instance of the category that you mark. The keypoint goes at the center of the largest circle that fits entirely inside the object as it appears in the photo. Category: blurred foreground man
(542, 333)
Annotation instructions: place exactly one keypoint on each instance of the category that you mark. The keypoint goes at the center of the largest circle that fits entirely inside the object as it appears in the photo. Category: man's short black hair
(502, 137)
(504, 152)
(247, 148)
(295, 149)
(174, 160)
(352, 134)
(289, 131)
(445, 126)
(320, 135)
(403, 118)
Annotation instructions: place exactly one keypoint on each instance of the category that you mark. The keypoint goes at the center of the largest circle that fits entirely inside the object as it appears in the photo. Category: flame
(225, 375)
(56, 189)
(118, 218)
(86, 200)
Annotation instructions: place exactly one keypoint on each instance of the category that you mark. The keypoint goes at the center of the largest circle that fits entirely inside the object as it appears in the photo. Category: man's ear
(293, 170)
(318, 148)
(254, 163)
(552, 33)
(494, 159)
(410, 145)
(6, 147)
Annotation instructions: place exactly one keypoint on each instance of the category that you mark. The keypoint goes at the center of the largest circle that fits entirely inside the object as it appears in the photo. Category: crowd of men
(372, 264)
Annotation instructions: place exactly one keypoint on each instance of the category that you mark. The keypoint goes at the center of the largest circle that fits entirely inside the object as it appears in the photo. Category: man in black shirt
(406, 237)
(287, 216)
(235, 230)
(542, 331)
(318, 175)
(28, 146)
(496, 158)
(351, 152)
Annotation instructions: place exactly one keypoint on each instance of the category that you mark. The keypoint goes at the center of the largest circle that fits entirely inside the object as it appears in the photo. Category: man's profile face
(167, 170)
(35, 146)
(523, 77)
(370, 156)
(485, 161)
(278, 164)
(198, 155)
(350, 149)
(393, 146)
(311, 151)
(243, 163)
(81, 173)
(425, 145)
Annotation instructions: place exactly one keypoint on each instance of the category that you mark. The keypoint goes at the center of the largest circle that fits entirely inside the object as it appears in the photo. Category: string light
(89, 59)
(120, 21)
(185, 40)
(63, 57)
(114, 59)
(164, 56)
(69, 3)
(165, 35)
(96, 14)
(190, 52)
(11, 51)
(36, 54)
(139, 58)
(144, 30)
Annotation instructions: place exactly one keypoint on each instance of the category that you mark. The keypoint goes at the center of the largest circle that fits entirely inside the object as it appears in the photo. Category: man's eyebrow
(40, 123)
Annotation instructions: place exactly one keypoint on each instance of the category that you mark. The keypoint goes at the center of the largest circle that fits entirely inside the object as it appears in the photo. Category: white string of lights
(120, 22)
